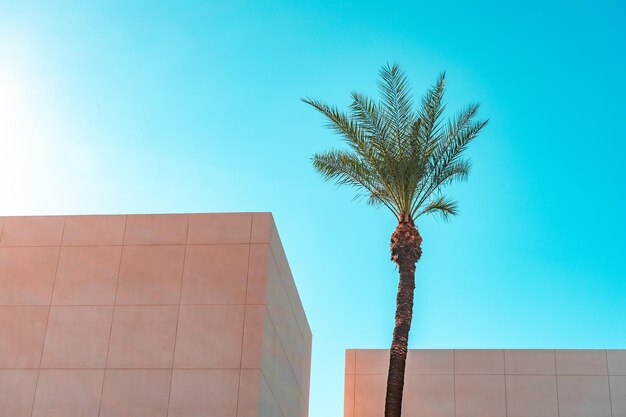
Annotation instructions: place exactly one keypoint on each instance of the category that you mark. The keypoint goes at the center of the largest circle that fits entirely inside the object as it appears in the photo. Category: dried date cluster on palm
(406, 242)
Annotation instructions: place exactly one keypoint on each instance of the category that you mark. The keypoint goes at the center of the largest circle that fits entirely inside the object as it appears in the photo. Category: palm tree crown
(398, 156)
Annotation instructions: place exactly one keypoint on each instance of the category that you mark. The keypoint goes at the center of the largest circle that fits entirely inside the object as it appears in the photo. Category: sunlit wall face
(150, 315)
(491, 382)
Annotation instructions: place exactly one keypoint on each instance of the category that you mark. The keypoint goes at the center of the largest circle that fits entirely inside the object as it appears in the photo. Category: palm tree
(401, 158)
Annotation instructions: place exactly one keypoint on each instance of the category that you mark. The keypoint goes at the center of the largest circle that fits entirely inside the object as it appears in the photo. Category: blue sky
(194, 107)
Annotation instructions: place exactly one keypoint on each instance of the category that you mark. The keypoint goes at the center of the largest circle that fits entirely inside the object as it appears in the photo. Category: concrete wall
(492, 383)
(148, 316)
(286, 356)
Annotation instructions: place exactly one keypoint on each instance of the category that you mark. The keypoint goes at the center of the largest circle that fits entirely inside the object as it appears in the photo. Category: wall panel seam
(271, 392)
(45, 333)
(180, 296)
(245, 308)
(287, 293)
(282, 347)
(608, 380)
(117, 281)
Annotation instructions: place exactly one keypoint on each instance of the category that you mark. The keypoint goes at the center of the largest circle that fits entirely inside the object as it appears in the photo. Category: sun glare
(31, 134)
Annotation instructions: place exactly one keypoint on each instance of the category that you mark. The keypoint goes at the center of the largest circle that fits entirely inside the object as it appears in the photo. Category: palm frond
(398, 156)
(440, 206)
(346, 168)
(340, 123)
(397, 101)
(369, 114)
(432, 108)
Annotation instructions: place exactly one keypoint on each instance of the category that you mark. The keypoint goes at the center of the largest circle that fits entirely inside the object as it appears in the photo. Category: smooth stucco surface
(176, 315)
(492, 383)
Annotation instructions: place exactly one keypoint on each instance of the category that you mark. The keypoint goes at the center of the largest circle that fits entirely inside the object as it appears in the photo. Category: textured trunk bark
(405, 252)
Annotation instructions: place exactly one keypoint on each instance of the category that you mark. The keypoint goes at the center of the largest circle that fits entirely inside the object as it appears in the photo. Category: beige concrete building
(181, 315)
(492, 383)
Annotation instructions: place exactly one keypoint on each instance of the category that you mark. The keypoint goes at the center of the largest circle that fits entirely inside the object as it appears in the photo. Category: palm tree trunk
(405, 252)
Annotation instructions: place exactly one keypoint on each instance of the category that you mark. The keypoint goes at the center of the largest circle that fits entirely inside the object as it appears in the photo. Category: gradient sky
(194, 107)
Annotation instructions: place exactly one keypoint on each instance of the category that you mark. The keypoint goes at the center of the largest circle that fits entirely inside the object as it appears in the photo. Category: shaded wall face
(147, 315)
(286, 356)
(492, 383)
